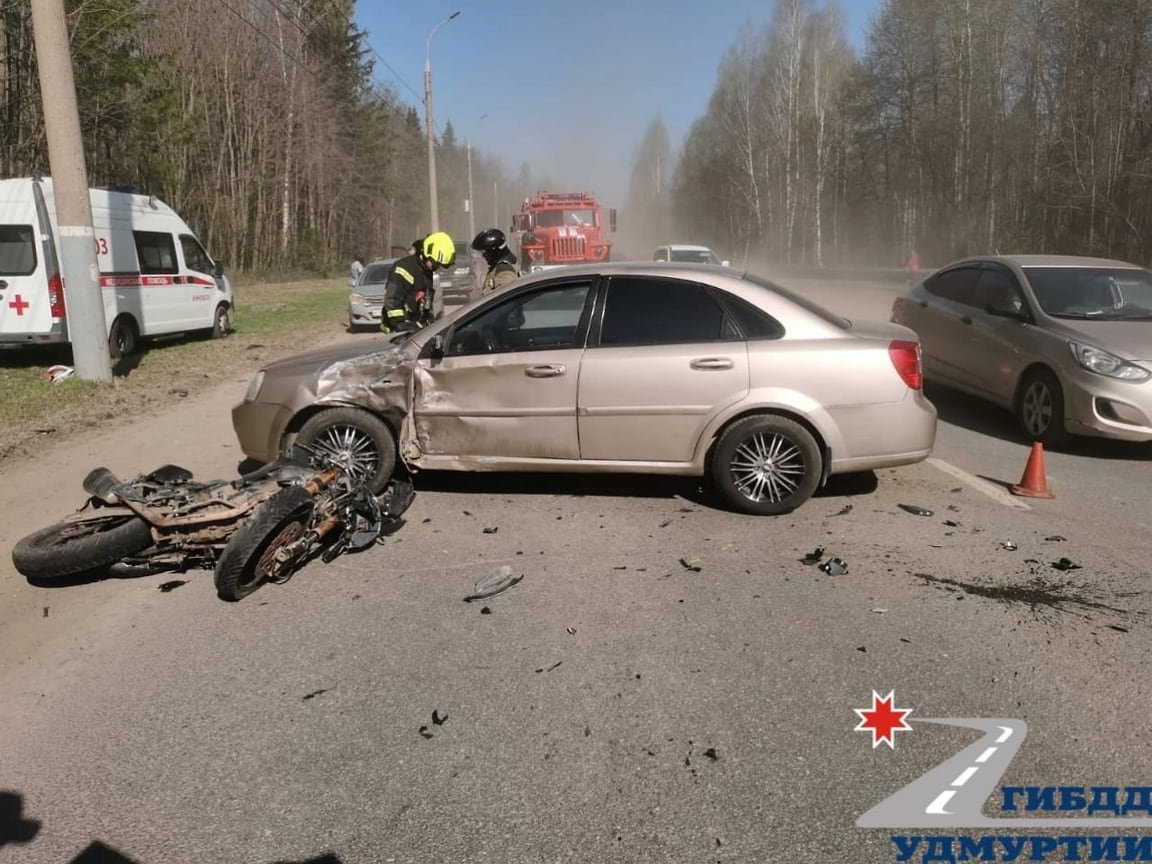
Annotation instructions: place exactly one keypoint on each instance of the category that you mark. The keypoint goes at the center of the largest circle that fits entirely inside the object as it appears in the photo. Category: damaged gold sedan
(693, 370)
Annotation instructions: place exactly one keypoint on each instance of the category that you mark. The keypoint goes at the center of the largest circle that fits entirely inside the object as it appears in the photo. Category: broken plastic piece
(813, 557)
(173, 585)
(491, 530)
(1009, 545)
(914, 510)
(493, 584)
(437, 719)
(1066, 564)
(1056, 538)
(834, 567)
(56, 374)
(693, 564)
(843, 511)
(571, 631)
(879, 611)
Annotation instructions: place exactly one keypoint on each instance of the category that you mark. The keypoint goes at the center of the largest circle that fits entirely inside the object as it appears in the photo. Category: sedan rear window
(376, 274)
(646, 311)
(801, 301)
(17, 250)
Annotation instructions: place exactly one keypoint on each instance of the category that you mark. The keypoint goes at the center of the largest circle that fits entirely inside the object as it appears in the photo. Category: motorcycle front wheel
(71, 548)
(246, 562)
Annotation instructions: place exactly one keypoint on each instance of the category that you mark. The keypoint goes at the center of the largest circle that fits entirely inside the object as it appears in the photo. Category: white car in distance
(688, 254)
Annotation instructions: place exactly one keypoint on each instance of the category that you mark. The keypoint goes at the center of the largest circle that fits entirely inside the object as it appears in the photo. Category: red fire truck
(559, 229)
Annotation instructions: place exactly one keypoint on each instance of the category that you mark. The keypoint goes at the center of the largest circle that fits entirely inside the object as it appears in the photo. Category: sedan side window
(650, 311)
(550, 318)
(957, 285)
(997, 290)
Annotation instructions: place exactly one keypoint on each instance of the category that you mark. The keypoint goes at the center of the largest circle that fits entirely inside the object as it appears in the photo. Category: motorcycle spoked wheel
(71, 548)
(245, 563)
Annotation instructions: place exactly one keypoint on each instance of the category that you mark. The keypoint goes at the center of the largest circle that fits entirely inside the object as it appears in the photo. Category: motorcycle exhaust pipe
(107, 487)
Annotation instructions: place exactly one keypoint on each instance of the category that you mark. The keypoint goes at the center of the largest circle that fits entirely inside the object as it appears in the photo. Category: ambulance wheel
(222, 324)
(124, 338)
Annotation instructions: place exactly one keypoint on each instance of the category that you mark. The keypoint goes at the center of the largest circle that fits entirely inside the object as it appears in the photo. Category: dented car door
(506, 385)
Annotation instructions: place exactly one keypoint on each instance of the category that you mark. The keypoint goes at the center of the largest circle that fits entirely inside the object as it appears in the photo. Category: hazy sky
(567, 86)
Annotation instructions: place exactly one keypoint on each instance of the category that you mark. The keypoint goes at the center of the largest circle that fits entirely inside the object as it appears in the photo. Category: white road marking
(965, 777)
(1007, 734)
(997, 494)
(937, 806)
(986, 754)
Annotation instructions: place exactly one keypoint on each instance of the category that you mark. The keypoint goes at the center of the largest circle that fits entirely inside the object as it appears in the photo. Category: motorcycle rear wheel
(243, 565)
(71, 548)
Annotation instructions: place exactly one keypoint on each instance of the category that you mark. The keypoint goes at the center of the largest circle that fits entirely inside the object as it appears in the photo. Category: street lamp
(431, 128)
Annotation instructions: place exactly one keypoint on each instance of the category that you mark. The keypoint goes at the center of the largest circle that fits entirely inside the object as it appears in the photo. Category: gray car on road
(1063, 342)
(367, 298)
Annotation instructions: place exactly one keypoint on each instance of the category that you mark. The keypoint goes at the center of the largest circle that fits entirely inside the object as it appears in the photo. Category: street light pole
(471, 200)
(79, 268)
(430, 125)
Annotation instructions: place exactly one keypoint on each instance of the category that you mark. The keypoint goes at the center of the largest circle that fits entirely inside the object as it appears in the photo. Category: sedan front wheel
(356, 440)
(766, 465)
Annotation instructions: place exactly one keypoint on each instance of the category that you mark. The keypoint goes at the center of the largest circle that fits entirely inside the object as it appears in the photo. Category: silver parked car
(641, 368)
(1063, 342)
(366, 301)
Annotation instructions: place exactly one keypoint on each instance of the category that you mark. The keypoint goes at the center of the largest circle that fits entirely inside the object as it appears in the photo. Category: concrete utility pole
(87, 329)
(430, 125)
(471, 200)
(496, 203)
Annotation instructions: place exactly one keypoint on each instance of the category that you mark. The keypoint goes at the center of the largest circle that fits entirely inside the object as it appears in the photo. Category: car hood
(1131, 340)
(316, 361)
(373, 290)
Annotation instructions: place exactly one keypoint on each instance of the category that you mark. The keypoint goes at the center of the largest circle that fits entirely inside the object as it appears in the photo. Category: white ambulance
(155, 277)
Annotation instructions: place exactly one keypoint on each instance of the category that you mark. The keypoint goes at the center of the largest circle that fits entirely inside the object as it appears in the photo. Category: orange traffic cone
(1034, 483)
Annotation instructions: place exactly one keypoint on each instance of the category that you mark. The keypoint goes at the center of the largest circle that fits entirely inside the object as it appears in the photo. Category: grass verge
(271, 320)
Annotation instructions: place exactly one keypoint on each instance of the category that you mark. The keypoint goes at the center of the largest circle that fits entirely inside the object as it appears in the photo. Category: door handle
(965, 319)
(923, 304)
(711, 363)
(551, 371)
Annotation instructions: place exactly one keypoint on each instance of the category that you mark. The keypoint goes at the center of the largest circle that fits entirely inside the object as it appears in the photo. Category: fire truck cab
(560, 229)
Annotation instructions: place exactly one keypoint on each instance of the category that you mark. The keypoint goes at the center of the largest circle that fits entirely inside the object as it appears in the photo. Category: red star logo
(882, 720)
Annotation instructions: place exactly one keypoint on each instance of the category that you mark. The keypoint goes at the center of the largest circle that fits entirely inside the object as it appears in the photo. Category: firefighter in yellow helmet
(408, 290)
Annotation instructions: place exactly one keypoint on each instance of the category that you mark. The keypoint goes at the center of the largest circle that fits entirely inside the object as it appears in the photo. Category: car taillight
(905, 356)
(56, 296)
(898, 310)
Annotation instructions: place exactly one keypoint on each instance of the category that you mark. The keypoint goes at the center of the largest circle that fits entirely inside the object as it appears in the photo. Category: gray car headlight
(356, 299)
(1103, 363)
(254, 386)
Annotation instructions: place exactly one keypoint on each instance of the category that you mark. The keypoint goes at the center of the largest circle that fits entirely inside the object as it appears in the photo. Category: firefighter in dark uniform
(502, 267)
(408, 291)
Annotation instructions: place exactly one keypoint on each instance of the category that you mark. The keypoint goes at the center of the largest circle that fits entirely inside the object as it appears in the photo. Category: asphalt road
(613, 706)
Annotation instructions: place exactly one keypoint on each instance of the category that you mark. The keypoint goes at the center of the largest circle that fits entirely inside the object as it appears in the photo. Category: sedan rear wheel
(766, 465)
(358, 441)
(1040, 408)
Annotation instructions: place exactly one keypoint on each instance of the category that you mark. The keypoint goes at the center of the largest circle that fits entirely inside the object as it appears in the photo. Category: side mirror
(1006, 312)
(612, 220)
(218, 269)
(436, 347)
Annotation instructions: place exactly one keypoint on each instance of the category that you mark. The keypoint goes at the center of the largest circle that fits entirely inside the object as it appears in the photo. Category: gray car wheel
(766, 465)
(1040, 408)
(359, 441)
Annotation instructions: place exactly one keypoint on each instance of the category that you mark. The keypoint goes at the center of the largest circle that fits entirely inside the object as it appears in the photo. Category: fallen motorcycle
(261, 527)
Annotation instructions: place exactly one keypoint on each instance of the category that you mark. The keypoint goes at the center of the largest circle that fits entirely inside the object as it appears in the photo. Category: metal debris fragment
(1066, 564)
(1056, 538)
(813, 557)
(694, 564)
(915, 510)
(835, 567)
(173, 585)
(1009, 545)
(843, 511)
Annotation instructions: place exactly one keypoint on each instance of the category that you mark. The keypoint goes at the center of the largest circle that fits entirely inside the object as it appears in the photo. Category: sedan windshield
(1092, 292)
(695, 256)
(376, 274)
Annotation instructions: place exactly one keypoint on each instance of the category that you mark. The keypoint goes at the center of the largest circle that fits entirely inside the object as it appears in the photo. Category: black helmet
(490, 241)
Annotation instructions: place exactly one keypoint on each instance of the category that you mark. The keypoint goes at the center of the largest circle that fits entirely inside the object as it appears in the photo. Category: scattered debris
(437, 720)
(1118, 628)
(958, 489)
(570, 630)
(834, 567)
(843, 511)
(952, 523)
(1065, 564)
(620, 567)
(424, 731)
(56, 374)
(493, 584)
(550, 668)
(908, 641)
(173, 585)
(879, 611)
(1056, 538)
(813, 557)
(485, 611)
(176, 391)
(712, 754)
(862, 650)
(491, 530)
(426, 521)
(45, 430)
(665, 523)
(693, 564)
(467, 513)
(45, 611)
(313, 695)
(254, 346)
(1009, 545)
(914, 510)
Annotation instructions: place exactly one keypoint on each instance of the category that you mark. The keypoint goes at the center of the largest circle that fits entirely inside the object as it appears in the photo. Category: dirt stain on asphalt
(1039, 594)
